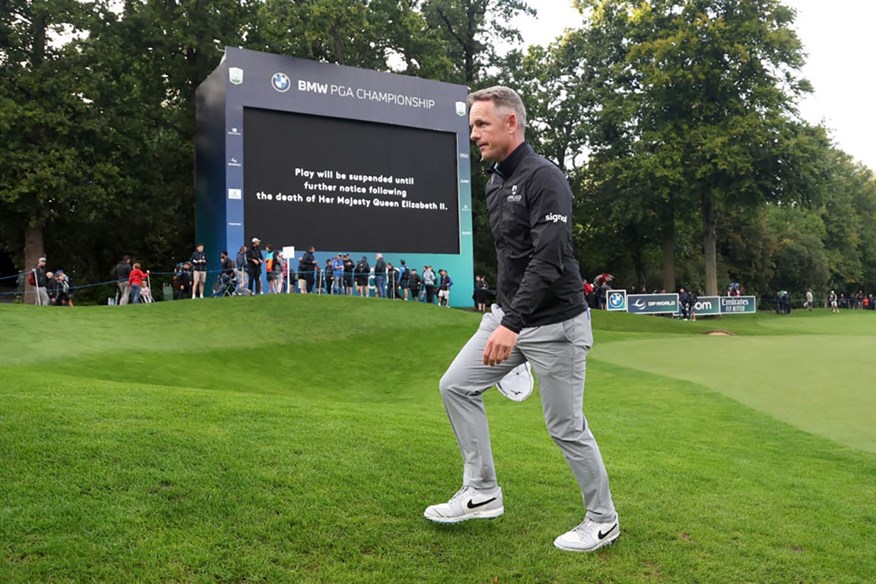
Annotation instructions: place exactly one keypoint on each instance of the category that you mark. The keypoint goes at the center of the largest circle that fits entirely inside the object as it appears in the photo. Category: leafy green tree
(800, 259)
(50, 129)
(358, 33)
(747, 247)
(560, 91)
(473, 31)
(705, 102)
(864, 184)
(848, 213)
(148, 60)
(97, 109)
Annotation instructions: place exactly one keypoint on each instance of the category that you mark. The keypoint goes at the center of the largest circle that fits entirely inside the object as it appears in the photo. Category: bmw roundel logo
(616, 300)
(281, 82)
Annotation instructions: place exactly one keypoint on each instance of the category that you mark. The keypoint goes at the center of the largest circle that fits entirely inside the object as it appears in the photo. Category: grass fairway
(812, 370)
(298, 439)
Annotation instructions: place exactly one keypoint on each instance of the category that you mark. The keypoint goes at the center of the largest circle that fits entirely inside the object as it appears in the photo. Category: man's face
(492, 130)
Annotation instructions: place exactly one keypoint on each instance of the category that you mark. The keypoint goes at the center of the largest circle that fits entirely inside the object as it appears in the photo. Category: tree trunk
(33, 251)
(639, 266)
(473, 13)
(710, 253)
(667, 233)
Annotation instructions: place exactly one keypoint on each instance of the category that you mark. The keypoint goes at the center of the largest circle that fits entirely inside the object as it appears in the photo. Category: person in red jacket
(135, 279)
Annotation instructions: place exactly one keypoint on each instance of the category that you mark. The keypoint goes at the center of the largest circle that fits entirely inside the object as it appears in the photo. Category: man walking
(39, 281)
(123, 270)
(540, 316)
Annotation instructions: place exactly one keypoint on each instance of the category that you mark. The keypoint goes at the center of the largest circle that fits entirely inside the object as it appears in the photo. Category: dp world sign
(652, 303)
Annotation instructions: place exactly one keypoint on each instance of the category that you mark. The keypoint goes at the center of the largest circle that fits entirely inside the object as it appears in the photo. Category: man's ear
(511, 123)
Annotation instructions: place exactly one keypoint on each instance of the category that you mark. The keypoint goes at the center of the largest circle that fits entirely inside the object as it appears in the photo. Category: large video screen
(341, 184)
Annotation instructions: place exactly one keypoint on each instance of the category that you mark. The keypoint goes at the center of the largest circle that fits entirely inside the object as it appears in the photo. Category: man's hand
(499, 346)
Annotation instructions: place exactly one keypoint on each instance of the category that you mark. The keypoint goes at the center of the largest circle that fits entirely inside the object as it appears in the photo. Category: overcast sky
(840, 46)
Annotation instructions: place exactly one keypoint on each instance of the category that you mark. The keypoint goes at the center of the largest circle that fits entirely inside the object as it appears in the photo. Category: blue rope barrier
(83, 286)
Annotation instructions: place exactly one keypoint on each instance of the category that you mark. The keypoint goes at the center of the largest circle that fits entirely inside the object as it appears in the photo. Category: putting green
(817, 373)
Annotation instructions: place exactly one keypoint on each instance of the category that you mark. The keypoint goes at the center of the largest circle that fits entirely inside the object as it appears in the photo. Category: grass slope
(810, 370)
(298, 439)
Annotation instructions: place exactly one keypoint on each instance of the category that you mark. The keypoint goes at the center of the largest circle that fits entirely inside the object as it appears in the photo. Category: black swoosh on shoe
(602, 536)
(472, 505)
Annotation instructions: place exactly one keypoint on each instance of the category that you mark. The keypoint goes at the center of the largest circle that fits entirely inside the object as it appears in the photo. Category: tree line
(675, 121)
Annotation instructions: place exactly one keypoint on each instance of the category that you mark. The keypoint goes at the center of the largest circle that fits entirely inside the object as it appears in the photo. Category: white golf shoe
(467, 503)
(589, 536)
(517, 385)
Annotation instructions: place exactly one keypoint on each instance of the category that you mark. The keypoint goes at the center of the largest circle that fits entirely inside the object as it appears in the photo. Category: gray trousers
(558, 354)
(42, 296)
(124, 292)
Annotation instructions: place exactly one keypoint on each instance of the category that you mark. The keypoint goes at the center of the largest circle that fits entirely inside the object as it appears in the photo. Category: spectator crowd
(340, 275)
(51, 288)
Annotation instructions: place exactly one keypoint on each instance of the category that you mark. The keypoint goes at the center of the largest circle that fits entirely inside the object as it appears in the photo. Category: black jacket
(254, 259)
(199, 262)
(530, 210)
(307, 266)
(123, 270)
(40, 277)
(227, 267)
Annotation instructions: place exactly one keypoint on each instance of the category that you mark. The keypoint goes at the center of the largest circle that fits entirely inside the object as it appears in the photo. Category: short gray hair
(504, 98)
